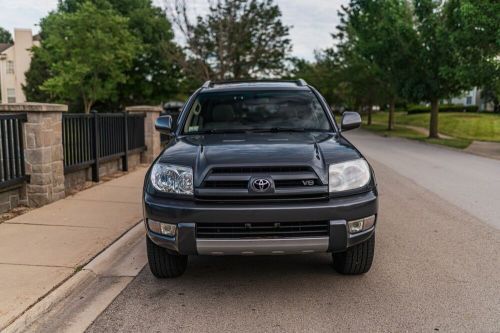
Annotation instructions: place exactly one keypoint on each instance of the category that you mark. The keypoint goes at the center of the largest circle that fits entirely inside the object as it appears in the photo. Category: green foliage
(37, 74)
(89, 51)
(236, 39)
(374, 41)
(152, 77)
(491, 93)
(443, 108)
(323, 74)
(5, 36)
(436, 60)
(155, 74)
(474, 27)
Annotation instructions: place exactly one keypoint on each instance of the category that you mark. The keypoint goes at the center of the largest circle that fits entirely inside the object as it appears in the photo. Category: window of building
(10, 67)
(11, 95)
(469, 100)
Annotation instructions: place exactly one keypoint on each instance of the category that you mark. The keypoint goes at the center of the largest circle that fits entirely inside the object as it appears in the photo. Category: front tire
(357, 259)
(163, 264)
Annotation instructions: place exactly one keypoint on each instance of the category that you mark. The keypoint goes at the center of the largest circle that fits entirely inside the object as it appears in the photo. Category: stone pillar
(152, 136)
(43, 150)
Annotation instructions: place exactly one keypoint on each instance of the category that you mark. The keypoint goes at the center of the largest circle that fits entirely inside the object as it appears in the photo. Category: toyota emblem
(261, 185)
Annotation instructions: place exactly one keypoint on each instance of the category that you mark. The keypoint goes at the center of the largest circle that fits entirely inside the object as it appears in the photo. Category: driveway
(436, 268)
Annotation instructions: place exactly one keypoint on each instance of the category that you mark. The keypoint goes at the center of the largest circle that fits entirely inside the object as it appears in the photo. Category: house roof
(4, 46)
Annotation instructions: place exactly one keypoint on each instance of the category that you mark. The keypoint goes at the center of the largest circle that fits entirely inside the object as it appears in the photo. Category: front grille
(290, 182)
(225, 184)
(262, 230)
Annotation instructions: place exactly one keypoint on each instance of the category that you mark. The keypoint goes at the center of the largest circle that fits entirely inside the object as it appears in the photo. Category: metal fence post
(125, 131)
(96, 145)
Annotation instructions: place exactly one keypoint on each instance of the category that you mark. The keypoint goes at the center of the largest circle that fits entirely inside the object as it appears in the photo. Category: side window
(11, 95)
(10, 67)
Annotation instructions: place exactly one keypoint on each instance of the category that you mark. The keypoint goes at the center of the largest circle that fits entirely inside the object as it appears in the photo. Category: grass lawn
(468, 126)
(408, 133)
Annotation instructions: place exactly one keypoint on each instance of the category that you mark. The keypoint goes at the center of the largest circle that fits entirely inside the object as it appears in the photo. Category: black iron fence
(12, 172)
(91, 139)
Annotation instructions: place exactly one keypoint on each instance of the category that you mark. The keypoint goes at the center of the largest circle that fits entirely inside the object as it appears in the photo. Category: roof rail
(301, 82)
(209, 84)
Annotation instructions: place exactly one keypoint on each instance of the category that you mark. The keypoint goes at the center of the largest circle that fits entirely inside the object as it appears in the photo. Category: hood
(202, 152)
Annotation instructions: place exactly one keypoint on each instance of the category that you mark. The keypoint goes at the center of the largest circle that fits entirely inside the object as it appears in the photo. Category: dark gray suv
(259, 168)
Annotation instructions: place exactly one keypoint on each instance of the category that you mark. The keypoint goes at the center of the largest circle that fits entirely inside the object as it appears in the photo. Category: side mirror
(164, 125)
(350, 120)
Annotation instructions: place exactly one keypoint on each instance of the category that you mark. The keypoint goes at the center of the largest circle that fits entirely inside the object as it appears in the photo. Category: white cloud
(312, 21)
(24, 13)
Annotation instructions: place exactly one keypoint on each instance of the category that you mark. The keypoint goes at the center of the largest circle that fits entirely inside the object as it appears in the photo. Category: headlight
(172, 179)
(348, 175)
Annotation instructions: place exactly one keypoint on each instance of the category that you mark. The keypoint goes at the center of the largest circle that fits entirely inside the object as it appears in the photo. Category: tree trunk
(370, 107)
(87, 105)
(433, 123)
(392, 107)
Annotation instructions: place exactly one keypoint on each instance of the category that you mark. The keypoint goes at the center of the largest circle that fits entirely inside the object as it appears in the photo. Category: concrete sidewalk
(42, 248)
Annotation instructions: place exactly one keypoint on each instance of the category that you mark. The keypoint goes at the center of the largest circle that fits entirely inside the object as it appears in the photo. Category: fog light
(361, 224)
(166, 229)
(355, 226)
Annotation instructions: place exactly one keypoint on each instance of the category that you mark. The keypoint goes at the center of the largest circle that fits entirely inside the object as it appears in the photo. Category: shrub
(443, 108)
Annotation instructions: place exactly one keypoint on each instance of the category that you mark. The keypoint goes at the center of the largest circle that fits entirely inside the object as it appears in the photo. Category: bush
(415, 109)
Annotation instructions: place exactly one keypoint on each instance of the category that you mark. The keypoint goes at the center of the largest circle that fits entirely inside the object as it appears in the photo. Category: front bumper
(187, 213)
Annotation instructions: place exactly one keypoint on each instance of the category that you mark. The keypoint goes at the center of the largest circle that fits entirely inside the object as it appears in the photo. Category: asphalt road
(436, 268)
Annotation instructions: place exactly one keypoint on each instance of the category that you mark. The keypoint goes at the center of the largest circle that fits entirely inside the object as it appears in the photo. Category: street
(436, 268)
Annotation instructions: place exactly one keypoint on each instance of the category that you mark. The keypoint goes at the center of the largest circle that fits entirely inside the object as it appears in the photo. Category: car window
(256, 110)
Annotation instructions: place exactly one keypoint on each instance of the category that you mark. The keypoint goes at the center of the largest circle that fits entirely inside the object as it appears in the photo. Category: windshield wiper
(279, 129)
(220, 131)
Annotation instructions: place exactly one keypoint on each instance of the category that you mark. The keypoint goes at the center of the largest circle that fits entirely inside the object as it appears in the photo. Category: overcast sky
(312, 21)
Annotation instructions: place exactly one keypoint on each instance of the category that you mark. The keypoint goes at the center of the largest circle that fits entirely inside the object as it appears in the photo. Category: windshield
(227, 112)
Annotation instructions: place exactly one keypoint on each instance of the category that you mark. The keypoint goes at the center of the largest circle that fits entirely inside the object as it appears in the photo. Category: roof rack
(210, 84)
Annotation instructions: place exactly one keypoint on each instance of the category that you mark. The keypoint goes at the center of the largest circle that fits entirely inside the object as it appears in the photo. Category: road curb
(101, 266)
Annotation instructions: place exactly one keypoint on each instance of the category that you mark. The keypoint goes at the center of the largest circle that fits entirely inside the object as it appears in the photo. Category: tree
(322, 74)
(89, 52)
(491, 94)
(237, 39)
(458, 49)
(375, 41)
(5, 36)
(155, 74)
(437, 59)
(35, 77)
(474, 27)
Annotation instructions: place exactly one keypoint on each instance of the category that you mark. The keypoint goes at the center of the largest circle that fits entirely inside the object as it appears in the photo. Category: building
(472, 97)
(15, 60)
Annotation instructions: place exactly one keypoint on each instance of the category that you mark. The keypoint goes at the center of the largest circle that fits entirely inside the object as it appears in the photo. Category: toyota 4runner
(259, 168)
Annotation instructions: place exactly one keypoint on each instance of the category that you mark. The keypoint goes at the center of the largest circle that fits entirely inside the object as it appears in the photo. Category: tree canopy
(418, 51)
(152, 77)
(155, 73)
(236, 39)
(5, 36)
(87, 61)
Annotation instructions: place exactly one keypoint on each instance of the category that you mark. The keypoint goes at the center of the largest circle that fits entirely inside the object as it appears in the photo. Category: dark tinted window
(256, 110)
